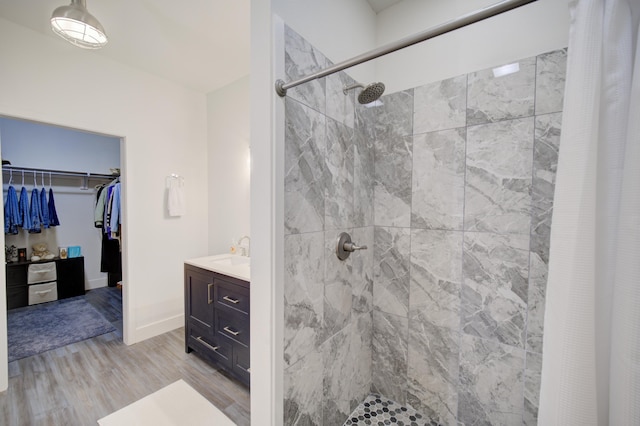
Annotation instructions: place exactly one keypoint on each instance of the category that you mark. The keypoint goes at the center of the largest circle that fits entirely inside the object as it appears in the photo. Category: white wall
(527, 31)
(35, 145)
(340, 29)
(266, 213)
(164, 127)
(229, 166)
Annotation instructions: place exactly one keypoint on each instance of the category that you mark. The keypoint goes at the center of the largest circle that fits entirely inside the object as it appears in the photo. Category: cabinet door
(199, 299)
(17, 294)
(17, 297)
(16, 275)
(70, 279)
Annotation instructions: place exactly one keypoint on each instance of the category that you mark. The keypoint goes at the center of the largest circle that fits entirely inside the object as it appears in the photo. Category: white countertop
(232, 265)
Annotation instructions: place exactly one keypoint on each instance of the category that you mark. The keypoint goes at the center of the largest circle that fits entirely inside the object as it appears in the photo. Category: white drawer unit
(41, 273)
(41, 280)
(40, 293)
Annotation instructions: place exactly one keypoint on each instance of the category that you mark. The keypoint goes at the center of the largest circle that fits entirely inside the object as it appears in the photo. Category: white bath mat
(175, 405)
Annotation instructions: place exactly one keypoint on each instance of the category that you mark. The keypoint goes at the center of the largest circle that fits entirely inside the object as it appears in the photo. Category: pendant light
(76, 25)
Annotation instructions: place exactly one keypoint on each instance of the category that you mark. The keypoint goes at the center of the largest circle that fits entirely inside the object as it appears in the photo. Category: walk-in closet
(62, 194)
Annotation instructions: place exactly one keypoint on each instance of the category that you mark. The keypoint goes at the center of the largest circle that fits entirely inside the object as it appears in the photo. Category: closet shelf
(89, 175)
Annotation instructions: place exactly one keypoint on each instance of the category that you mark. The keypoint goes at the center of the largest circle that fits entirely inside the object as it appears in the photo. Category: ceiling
(203, 46)
(200, 44)
(380, 5)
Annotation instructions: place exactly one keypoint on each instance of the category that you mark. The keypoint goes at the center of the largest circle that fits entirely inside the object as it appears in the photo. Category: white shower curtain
(591, 359)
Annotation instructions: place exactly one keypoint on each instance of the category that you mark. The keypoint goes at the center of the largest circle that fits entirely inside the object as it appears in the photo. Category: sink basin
(231, 261)
(232, 265)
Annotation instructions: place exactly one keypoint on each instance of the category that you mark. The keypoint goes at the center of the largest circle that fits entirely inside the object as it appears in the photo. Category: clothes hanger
(10, 176)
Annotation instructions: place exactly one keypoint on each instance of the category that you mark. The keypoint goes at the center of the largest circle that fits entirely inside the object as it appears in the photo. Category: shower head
(368, 94)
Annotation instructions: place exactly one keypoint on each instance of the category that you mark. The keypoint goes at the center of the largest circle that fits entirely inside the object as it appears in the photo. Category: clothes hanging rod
(454, 24)
(89, 175)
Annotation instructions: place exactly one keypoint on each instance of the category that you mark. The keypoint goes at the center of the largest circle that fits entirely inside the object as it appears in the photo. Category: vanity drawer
(233, 326)
(233, 296)
(241, 363)
(212, 347)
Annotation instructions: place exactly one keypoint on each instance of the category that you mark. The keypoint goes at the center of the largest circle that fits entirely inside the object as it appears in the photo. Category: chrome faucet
(244, 250)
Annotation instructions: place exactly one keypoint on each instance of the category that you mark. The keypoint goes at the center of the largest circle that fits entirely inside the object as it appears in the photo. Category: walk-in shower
(442, 313)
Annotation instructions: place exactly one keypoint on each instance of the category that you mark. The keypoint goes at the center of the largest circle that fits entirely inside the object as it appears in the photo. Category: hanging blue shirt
(53, 215)
(35, 212)
(11, 212)
(44, 208)
(25, 216)
(115, 208)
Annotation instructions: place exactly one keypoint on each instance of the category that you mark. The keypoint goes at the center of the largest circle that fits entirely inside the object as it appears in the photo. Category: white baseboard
(157, 328)
(95, 283)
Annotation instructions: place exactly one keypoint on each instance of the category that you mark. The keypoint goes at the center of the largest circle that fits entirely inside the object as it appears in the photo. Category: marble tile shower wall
(329, 187)
(464, 175)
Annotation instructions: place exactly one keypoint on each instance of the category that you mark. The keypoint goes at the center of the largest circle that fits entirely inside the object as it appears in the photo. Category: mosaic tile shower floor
(379, 411)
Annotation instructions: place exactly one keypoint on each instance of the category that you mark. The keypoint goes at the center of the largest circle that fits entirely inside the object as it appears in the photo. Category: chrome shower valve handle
(351, 247)
(344, 246)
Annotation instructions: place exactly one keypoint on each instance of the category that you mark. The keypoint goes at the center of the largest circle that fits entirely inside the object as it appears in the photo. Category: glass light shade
(76, 25)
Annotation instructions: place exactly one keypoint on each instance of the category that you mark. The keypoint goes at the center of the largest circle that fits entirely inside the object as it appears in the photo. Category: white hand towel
(176, 201)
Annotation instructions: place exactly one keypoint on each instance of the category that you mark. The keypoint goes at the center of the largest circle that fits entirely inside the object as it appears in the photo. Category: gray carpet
(40, 328)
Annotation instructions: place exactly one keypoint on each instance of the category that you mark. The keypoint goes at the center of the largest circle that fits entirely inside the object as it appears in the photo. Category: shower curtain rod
(88, 175)
(462, 21)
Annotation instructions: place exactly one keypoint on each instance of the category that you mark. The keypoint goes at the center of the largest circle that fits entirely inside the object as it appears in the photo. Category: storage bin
(41, 273)
(74, 251)
(40, 293)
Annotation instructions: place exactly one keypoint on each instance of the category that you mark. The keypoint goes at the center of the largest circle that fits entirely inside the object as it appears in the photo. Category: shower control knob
(344, 246)
(353, 247)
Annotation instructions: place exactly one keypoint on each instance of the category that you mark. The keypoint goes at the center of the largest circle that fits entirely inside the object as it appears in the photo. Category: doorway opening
(69, 268)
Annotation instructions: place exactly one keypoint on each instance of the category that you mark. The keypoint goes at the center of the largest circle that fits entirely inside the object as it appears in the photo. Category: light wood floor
(83, 382)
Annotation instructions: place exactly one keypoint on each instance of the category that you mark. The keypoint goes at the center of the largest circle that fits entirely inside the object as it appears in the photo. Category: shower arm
(346, 88)
(454, 24)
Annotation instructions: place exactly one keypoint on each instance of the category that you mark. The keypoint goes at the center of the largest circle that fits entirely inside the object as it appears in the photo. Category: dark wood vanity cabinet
(217, 320)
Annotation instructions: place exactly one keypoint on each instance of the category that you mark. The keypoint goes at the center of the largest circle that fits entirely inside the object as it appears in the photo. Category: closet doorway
(75, 277)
